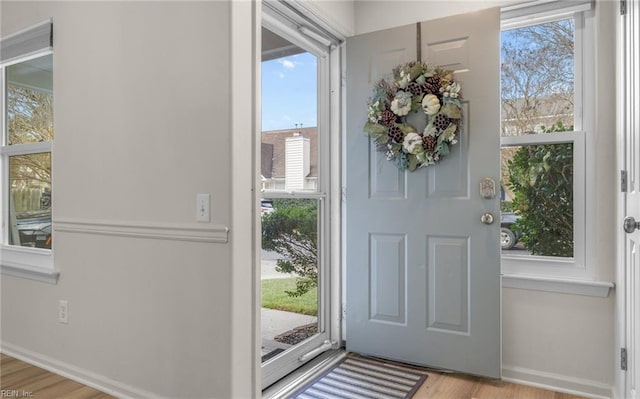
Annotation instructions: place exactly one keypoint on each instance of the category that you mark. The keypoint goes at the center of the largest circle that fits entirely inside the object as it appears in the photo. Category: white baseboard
(85, 377)
(556, 382)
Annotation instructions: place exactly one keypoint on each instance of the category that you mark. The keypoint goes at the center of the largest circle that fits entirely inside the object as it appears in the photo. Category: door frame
(622, 295)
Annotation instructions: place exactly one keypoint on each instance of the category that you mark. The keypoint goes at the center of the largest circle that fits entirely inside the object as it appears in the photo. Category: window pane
(538, 78)
(30, 101)
(289, 116)
(537, 200)
(289, 273)
(30, 200)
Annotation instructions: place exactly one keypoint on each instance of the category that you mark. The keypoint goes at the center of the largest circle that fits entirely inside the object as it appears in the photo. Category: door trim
(245, 304)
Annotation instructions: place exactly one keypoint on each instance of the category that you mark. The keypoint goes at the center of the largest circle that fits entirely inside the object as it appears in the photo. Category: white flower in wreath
(452, 90)
(401, 104)
(413, 143)
(404, 81)
(390, 154)
(430, 104)
(450, 133)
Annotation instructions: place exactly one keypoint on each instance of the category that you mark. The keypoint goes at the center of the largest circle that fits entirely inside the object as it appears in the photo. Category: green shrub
(291, 230)
(541, 178)
(506, 206)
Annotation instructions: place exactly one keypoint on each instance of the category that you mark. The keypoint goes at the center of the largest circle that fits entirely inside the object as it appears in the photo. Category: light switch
(203, 203)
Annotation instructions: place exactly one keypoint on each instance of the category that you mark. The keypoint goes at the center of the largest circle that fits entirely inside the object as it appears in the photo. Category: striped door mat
(359, 378)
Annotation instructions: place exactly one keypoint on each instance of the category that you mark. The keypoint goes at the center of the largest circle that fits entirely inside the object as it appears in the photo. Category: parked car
(34, 230)
(509, 235)
(266, 206)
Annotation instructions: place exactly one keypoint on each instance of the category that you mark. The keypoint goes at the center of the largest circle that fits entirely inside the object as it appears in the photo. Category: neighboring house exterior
(290, 159)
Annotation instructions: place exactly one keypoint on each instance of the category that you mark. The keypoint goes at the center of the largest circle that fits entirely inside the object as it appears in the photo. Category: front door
(631, 129)
(423, 271)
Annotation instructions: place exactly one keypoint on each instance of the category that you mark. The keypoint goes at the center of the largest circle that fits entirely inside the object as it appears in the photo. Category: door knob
(487, 218)
(630, 225)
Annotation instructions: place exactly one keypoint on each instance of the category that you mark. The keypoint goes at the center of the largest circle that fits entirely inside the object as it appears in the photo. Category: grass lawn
(274, 297)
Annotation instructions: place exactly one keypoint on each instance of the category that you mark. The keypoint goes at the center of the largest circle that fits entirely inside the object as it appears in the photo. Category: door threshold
(293, 381)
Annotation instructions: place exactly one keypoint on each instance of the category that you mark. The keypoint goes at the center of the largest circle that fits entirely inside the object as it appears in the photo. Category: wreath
(424, 91)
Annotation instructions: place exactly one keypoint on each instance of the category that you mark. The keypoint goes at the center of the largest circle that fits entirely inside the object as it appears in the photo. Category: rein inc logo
(15, 393)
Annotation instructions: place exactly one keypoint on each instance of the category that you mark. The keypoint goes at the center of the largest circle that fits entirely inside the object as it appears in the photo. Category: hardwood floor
(441, 385)
(22, 380)
(457, 386)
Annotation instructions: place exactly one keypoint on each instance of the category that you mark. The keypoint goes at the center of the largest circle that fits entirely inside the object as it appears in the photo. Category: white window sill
(30, 263)
(31, 273)
(600, 289)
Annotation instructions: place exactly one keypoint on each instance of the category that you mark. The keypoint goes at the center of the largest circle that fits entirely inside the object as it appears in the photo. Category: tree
(29, 120)
(537, 76)
(292, 231)
(541, 178)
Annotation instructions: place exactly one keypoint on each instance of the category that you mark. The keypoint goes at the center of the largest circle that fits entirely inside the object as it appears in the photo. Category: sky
(289, 87)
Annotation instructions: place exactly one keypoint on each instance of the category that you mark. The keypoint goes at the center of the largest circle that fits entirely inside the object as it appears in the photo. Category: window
(544, 139)
(26, 149)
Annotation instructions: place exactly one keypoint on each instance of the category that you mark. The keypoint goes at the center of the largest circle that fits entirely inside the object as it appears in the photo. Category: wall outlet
(63, 312)
(203, 203)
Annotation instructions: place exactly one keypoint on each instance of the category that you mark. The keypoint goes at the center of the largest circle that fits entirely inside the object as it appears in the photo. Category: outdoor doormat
(360, 378)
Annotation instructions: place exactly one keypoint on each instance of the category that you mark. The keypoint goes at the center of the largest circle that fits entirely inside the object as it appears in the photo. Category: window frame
(26, 262)
(581, 266)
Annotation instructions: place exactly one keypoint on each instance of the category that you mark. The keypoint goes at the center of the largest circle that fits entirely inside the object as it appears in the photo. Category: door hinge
(623, 7)
(623, 359)
(623, 181)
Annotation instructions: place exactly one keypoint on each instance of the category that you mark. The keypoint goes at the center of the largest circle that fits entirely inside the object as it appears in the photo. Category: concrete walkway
(276, 322)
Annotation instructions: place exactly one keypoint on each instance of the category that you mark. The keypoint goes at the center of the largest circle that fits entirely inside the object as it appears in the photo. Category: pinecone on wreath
(429, 143)
(441, 122)
(395, 134)
(414, 88)
(432, 85)
(387, 117)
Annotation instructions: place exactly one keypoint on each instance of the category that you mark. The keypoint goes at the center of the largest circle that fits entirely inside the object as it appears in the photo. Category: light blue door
(423, 271)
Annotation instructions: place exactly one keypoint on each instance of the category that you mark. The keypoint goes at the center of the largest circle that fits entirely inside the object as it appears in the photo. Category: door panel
(448, 280)
(387, 271)
(451, 178)
(385, 182)
(423, 273)
(451, 54)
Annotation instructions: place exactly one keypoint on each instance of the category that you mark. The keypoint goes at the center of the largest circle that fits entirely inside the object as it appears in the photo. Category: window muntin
(27, 143)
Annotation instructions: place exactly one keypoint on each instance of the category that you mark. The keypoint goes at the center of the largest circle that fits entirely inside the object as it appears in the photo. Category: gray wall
(142, 124)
